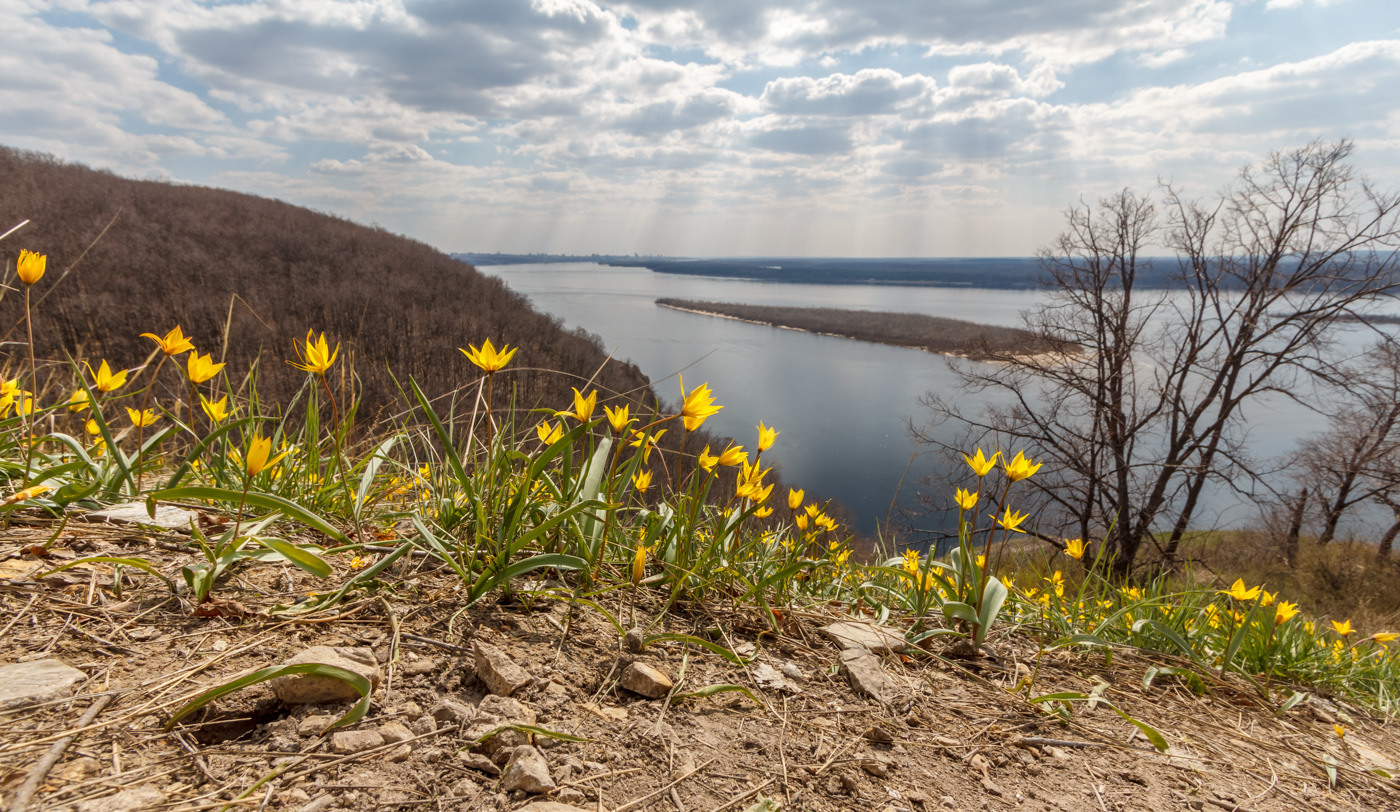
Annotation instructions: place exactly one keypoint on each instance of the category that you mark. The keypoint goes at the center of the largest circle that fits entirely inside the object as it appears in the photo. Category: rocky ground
(535, 703)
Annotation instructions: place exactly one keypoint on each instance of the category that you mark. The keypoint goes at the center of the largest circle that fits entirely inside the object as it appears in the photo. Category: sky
(701, 127)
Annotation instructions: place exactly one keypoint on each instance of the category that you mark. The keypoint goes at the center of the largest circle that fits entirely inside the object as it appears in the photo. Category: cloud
(804, 139)
(869, 92)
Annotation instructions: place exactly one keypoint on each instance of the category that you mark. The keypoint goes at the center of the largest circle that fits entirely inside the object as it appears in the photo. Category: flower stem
(33, 387)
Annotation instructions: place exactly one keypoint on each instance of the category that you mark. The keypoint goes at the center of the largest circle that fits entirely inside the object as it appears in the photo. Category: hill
(197, 256)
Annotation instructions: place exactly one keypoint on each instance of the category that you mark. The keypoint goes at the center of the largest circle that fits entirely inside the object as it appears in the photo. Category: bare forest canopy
(1007, 273)
(181, 254)
(945, 336)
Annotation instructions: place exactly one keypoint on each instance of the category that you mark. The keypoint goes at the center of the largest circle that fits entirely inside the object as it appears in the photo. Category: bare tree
(1139, 425)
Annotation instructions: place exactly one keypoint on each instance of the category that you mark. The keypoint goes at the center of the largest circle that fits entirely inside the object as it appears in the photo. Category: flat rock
(346, 742)
(37, 681)
(527, 771)
(499, 672)
(505, 709)
(853, 634)
(450, 711)
(650, 682)
(479, 762)
(304, 689)
(415, 668)
(770, 677)
(866, 675)
(167, 516)
(128, 800)
(395, 732)
(315, 725)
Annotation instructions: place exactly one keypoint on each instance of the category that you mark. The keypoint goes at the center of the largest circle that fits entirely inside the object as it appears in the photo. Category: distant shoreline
(951, 337)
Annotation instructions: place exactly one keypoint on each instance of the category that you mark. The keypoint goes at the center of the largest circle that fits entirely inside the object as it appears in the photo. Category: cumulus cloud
(869, 92)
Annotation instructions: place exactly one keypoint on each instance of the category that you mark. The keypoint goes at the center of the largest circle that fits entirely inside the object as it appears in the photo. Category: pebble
(36, 681)
(346, 742)
(527, 771)
(650, 682)
(395, 732)
(499, 672)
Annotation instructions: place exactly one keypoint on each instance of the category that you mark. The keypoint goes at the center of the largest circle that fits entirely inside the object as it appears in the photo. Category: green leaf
(531, 729)
(687, 638)
(372, 470)
(359, 683)
(1171, 634)
(137, 563)
(1292, 702)
(1157, 739)
(266, 501)
(957, 610)
(443, 436)
(198, 450)
(711, 690)
(992, 598)
(299, 556)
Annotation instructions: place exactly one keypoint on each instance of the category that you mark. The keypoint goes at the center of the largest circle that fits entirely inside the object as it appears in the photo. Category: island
(963, 339)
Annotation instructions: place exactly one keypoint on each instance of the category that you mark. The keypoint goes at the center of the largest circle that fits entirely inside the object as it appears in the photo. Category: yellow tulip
(258, 450)
(965, 500)
(1344, 628)
(1284, 611)
(801, 521)
(488, 358)
(734, 455)
(78, 401)
(639, 564)
(763, 512)
(106, 379)
(173, 343)
(143, 418)
(583, 406)
(1011, 520)
(981, 465)
(706, 460)
(217, 410)
(1340, 730)
(1385, 637)
(1074, 548)
(1238, 592)
(30, 266)
(315, 356)
(646, 442)
(549, 434)
(1020, 468)
(641, 481)
(766, 437)
(201, 368)
(795, 499)
(698, 406)
(26, 494)
(617, 418)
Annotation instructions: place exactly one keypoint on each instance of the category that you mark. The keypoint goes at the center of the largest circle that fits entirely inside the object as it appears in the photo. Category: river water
(844, 407)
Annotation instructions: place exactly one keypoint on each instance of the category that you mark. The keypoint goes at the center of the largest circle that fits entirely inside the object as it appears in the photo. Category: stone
(36, 681)
(128, 800)
(863, 670)
(499, 672)
(650, 682)
(478, 762)
(321, 803)
(875, 767)
(427, 665)
(633, 640)
(423, 725)
(771, 678)
(168, 517)
(851, 634)
(448, 711)
(315, 725)
(947, 801)
(400, 753)
(395, 732)
(527, 771)
(346, 742)
(506, 709)
(571, 795)
(306, 689)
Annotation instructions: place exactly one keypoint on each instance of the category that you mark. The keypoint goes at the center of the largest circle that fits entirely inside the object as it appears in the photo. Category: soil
(956, 733)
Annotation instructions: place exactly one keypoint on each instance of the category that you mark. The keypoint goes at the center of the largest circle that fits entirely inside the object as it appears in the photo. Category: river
(843, 406)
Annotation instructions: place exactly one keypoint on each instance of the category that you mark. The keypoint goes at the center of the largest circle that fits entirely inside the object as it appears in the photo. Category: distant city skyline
(724, 128)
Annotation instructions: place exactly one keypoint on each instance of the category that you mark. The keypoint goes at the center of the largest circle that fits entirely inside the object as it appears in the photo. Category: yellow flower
(487, 358)
(697, 406)
(258, 450)
(639, 564)
(801, 521)
(617, 418)
(981, 465)
(766, 437)
(1238, 591)
(1057, 581)
(1011, 520)
(641, 481)
(78, 400)
(1020, 468)
(823, 520)
(92, 427)
(1284, 611)
(1340, 730)
(142, 419)
(1344, 628)
(30, 266)
(26, 494)
(764, 512)
(795, 498)
(1385, 637)
(965, 500)
(201, 368)
(316, 356)
(173, 343)
(107, 380)
(1074, 548)
(549, 434)
(1266, 598)
(217, 410)
(583, 406)
(813, 510)
(646, 442)
(734, 455)
(707, 460)
(358, 563)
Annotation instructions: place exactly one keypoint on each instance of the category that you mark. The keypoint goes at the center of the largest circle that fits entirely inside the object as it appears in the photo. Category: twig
(645, 798)
(41, 770)
(1039, 742)
(741, 798)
